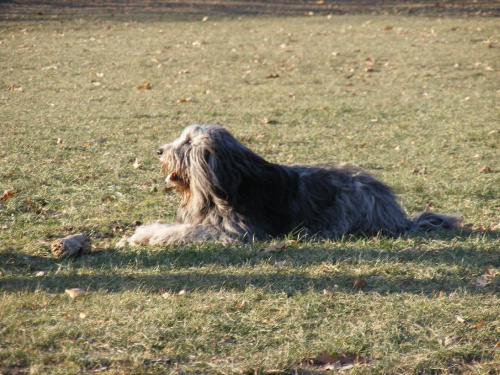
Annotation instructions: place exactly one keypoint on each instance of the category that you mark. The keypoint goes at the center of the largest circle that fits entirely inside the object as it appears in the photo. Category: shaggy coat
(230, 193)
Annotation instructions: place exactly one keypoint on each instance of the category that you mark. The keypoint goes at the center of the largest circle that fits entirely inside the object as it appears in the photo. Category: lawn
(87, 97)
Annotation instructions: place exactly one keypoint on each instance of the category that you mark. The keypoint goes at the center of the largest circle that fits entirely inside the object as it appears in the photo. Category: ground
(407, 91)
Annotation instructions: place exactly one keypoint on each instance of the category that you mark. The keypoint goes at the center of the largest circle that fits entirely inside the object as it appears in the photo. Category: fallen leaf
(420, 171)
(260, 135)
(82, 315)
(485, 169)
(40, 273)
(136, 164)
(497, 345)
(459, 319)
(265, 120)
(481, 281)
(146, 86)
(108, 198)
(185, 100)
(16, 88)
(388, 27)
(184, 71)
(359, 283)
(60, 141)
(170, 295)
(271, 76)
(7, 194)
(487, 271)
(478, 325)
(274, 248)
(75, 292)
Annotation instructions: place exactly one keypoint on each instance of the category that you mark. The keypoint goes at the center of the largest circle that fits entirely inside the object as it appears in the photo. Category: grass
(422, 93)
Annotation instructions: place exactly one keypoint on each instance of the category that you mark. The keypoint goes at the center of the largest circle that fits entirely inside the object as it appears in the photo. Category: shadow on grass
(152, 10)
(307, 267)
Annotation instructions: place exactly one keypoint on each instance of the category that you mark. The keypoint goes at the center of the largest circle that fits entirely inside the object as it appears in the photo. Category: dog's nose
(159, 152)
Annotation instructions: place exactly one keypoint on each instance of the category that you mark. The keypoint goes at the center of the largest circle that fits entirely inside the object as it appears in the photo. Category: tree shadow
(213, 267)
(152, 9)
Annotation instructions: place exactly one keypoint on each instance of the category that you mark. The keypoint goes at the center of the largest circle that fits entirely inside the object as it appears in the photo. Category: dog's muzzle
(159, 152)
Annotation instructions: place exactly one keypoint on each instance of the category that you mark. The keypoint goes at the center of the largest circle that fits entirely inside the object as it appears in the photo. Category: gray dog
(230, 193)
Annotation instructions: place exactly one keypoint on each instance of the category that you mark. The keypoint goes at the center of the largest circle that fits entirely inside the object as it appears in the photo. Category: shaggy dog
(230, 193)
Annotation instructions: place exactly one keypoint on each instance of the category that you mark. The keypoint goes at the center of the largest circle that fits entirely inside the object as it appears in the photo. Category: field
(87, 97)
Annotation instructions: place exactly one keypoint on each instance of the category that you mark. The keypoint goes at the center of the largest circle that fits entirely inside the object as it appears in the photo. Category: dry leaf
(459, 319)
(185, 100)
(75, 292)
(388, 27)
(420, 171)
(7, 194)
(478, 325)
(274, 248)
(108, 198)
(265, 120)
(59, 141)
(16, 88)
(82, 315)
(146, 86)
(487, 271)
(273, 76)
(136, 164)
(481, 281)
(40, 273)
(485, 169)
(359, 283)
(170, 295)
(184, 71)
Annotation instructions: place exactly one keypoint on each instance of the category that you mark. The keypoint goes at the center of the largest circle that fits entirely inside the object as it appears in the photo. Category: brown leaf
(478, 325)
(265, 120)
(487, 271)
(108, 198)
(271, 76)
(60, 141)
(388, 27)
(170, 295)
(485, 169)
(75, 292)
(16, 88)
(185, 100)
(420, 171)
(7, 194)
(146, 86)
(359, 283)
(274, 248)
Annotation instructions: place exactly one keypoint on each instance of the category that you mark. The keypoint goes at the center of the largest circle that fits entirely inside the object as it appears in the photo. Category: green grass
(422, 94)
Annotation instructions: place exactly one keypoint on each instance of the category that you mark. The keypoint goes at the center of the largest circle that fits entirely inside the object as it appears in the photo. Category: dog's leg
(176, 234)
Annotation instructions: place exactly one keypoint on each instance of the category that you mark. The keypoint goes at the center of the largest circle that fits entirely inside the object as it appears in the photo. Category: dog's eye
(188, 142)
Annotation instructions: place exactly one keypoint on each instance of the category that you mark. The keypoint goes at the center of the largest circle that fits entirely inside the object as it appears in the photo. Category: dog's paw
(123, 242)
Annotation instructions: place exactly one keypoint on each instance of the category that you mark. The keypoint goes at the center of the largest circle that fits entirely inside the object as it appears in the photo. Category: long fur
(230, 193)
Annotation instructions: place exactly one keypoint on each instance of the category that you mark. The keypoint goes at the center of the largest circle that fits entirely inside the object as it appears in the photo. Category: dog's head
(206, 159)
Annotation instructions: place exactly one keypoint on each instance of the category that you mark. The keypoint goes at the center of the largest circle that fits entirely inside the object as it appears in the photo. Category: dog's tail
(429, 221)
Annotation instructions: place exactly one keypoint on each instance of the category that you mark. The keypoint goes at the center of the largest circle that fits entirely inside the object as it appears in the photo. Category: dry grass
(421, 93)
